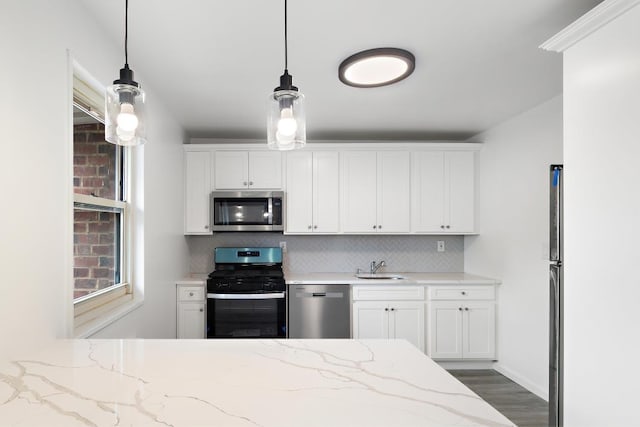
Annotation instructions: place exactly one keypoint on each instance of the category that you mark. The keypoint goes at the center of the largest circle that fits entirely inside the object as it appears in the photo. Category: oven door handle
(272, 295)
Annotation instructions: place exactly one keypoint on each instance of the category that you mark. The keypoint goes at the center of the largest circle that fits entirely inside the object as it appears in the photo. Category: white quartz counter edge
(190, 281)
(410, 279)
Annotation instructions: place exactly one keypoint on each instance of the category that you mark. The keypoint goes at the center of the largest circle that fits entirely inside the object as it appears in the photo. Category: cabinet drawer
(462, 293)
(388, 293)
(191, 293)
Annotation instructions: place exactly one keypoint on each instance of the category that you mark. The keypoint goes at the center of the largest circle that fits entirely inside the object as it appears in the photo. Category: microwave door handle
(270, 199)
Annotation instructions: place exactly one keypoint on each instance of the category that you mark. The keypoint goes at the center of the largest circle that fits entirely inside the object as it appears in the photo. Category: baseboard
(466, 364)
(524, 382)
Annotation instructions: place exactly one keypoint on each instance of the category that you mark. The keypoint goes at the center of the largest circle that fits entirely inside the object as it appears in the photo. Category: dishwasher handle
(319, 294)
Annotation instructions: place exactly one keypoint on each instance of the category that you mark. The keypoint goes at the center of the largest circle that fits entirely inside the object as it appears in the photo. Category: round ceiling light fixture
(377, 67)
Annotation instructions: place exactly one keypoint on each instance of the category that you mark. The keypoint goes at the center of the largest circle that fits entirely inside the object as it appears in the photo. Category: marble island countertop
(236, 383)
(409, 278)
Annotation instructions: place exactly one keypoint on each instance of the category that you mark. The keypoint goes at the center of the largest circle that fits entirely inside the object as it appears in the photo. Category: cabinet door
(359, 192)
(265, 170)
(478, 330)
(406, 321)
(445, 330)
(191, 320)
(428, 192)
(231, 170)
(370, 320)
(459, 199)
(394, 192)
(299, 192)
(326, 192)
(197, 172)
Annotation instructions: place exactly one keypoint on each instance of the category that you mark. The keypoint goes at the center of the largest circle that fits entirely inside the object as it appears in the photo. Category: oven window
(243, 211)
(231, 318)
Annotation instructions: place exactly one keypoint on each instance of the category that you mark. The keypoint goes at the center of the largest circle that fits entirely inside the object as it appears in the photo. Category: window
(100, 214)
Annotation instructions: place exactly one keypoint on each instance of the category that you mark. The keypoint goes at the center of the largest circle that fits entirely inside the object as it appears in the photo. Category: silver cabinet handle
(386, 309)
(448, 226)
(379, 227)
(464, 293)
(190, 294)
(244, 183)
(250, 182)
(315, 226)
(201, 310)
(393, 309)
(374, 227)
(460, 308)
(442, 226)
(309, 227)
(466, 309)
(206, 227)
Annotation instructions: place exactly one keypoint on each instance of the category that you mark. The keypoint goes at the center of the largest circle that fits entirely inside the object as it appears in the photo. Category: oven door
(261, 315)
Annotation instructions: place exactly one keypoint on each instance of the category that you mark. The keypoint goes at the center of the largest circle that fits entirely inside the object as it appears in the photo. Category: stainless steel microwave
(247, 210)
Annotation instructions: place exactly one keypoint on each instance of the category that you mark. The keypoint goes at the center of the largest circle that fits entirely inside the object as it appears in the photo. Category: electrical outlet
(440, 245)
(283, 246)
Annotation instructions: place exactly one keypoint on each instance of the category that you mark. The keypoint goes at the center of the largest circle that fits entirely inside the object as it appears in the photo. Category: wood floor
(522, 407)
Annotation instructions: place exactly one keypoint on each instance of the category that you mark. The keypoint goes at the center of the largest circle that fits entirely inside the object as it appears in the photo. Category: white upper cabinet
(197, 172)
(417, 188)
(248, 170)
(394, 191)
(443, 192)
(313, 192)
(375, 191)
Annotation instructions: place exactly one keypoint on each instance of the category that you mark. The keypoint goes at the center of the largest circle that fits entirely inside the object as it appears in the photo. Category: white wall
(512, 208)
(602, 231)
(35, 219)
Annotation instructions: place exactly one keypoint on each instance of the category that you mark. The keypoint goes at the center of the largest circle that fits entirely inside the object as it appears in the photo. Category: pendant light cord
(126, 32)
(285, 36)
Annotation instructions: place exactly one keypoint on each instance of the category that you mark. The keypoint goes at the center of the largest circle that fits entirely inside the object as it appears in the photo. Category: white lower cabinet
(389, 313)
(190, 312)
(461, 323)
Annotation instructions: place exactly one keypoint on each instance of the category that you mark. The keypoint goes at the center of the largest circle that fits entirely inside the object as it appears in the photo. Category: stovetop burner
(247, 270)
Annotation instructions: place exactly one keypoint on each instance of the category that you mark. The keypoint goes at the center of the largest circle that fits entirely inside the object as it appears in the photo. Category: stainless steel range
(246, 294)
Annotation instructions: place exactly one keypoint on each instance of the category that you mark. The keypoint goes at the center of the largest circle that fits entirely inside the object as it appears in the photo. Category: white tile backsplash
(339, 253)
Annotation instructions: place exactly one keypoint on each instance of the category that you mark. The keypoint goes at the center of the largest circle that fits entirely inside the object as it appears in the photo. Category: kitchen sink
(379, 276)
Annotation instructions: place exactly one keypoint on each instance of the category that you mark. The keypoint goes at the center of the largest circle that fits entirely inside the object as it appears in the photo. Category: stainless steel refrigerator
(555, 297)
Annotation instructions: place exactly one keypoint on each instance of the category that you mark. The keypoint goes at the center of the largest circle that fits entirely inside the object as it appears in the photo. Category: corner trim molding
(591, 21)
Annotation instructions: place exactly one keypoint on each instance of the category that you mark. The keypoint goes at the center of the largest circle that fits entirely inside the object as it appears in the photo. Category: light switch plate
(283, 246)
(440, 246)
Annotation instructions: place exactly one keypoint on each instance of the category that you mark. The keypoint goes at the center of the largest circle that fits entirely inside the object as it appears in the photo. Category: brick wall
(94, 233)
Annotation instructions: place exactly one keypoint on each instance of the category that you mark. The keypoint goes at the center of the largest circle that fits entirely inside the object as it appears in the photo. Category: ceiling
(213, 63)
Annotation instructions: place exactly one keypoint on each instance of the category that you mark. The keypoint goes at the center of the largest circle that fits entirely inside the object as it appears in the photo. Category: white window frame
(93, 311)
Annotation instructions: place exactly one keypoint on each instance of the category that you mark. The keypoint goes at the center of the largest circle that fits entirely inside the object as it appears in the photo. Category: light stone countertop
(410, 279)
(194, 280)
(236, 383)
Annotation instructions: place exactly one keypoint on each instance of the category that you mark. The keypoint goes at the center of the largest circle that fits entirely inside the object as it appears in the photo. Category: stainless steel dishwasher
(319, 311)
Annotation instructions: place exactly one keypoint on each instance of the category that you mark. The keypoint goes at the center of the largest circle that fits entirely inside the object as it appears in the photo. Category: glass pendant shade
(286, 125)
(125, 119)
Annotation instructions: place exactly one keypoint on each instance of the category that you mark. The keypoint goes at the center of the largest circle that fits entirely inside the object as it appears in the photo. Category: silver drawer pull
(190, 294)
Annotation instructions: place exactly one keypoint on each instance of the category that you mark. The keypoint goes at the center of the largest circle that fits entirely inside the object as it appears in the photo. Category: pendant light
(125, 112)
(286, 128)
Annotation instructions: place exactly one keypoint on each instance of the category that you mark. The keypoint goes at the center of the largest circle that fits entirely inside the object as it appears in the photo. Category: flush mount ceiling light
(124, 104)
(376, 67)
(286, 128)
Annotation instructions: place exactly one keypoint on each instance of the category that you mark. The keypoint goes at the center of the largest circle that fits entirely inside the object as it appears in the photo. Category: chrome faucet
(375, 267)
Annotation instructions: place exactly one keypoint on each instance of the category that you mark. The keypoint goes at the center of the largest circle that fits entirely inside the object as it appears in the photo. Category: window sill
(102, 321)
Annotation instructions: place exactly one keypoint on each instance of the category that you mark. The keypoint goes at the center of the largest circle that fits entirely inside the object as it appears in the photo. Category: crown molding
(591, 21)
